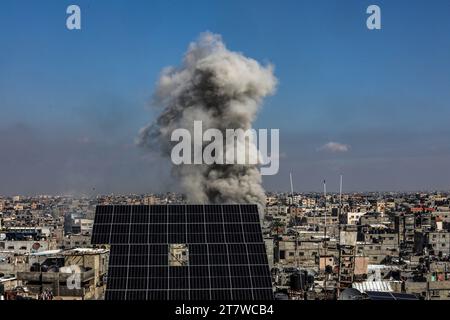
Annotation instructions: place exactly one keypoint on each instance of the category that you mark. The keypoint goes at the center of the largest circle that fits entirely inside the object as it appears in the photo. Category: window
(178, 255)
(435, 293)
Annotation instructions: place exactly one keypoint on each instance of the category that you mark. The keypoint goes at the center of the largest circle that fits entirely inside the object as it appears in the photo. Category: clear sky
(72, 102)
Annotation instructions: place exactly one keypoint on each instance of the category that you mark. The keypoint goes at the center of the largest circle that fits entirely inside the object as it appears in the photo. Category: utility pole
(292, 187)
(325, 201)
(325, 238)
(340, 195)
(296, 229)
(339, 236)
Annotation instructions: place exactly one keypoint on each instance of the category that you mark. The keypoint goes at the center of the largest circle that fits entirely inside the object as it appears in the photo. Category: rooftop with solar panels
(184, 252)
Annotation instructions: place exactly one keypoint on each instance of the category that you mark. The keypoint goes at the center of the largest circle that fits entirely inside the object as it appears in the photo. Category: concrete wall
(22, 247)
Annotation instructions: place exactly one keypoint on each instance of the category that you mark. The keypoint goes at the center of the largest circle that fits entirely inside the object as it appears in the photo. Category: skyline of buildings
(387, 243)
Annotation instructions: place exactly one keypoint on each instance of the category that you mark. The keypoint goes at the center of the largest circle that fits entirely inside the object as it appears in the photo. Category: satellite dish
(351, 294)
(2, 236)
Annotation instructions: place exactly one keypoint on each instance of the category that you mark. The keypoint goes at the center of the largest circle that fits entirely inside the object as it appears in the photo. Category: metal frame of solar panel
(226, 252)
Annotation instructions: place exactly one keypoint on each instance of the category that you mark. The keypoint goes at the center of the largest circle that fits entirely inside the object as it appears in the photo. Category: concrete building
(83, 225)
(270, 249)
(81, 277)
(377, 253)
(354, 217)
(439, 242)
(24, 247)
(74, 241)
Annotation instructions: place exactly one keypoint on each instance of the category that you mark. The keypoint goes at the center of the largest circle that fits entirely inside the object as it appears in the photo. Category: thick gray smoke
(224, 90)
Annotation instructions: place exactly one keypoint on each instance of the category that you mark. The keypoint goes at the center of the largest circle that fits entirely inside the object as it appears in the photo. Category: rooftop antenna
(339, 233)
(292, 187)
(325, 200)
(296, 231)
(340, 195)
(325, 235)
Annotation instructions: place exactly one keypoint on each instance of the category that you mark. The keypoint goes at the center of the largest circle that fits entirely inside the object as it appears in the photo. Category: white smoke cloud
(224, 90)
(334, 147)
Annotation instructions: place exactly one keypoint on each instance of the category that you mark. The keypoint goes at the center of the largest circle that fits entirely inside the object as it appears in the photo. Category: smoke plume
(224, 90)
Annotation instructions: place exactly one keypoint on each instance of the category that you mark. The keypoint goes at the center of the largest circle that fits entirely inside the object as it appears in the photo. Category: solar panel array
(226, 257)
(376, 295)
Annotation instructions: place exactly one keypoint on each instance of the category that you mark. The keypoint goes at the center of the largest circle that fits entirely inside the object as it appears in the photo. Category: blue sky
(72, 102)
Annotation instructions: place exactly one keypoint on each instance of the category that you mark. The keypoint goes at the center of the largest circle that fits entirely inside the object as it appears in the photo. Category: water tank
(351, 294)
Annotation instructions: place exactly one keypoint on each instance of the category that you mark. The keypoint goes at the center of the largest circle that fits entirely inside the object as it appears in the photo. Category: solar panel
(184, 252)
(405, 296)
(375, 295)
